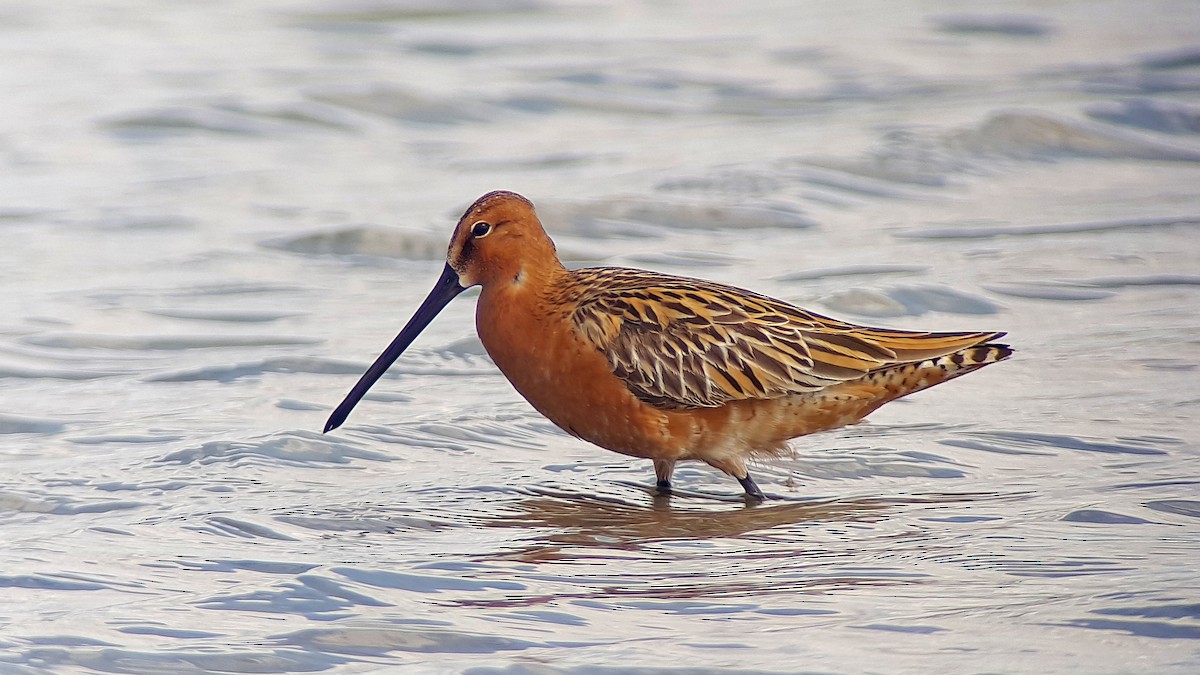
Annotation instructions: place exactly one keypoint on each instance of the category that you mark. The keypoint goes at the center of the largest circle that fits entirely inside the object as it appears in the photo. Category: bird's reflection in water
(611, 522)
(761, 549)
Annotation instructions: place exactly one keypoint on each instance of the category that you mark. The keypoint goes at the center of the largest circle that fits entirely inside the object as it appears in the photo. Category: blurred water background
(214, 215)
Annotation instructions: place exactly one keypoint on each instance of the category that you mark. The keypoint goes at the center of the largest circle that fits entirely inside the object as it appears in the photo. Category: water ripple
(1165, 116)
(1024, 442)
(909, 301)
(298, 448)
(365, 240)
(161, 342)
(421, 583)
(597, 217)
(116, 660)
(978, 232)
(278, 364)
(312, 596)
(381, 640)
(1035, 134)
(17, 424)
(1179, 507)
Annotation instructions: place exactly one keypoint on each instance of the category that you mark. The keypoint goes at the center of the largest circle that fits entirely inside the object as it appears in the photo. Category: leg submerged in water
(751, 489)
(663, 470)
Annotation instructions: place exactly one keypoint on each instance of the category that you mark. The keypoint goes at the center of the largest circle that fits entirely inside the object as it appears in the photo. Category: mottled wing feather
(686, 343)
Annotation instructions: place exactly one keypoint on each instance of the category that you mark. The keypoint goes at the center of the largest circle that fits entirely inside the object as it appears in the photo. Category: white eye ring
(481, 229)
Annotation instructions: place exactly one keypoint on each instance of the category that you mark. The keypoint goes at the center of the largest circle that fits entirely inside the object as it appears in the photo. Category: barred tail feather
(907, 378)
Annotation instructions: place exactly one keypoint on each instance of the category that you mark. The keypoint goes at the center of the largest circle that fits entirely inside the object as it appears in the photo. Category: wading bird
(668, 368)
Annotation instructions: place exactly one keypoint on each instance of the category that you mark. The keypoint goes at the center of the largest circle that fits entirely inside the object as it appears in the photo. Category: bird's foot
(664, 487)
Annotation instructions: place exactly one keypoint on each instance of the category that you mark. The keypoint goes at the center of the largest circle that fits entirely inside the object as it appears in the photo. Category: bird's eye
(481, 229)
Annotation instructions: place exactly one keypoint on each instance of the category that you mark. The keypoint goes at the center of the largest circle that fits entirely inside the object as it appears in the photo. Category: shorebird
(663, 367)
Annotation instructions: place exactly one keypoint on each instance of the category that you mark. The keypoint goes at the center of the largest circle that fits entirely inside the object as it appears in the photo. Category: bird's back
(682, 343)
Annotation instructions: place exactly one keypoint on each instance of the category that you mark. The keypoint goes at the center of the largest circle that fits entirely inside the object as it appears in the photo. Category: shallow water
(215, 216)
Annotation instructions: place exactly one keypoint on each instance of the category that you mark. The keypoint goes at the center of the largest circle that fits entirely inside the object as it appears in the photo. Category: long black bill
(445, 290)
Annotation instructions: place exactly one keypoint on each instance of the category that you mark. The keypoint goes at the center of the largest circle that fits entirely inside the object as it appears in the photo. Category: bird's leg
(752, 491)
(662, 470)
(734, 466)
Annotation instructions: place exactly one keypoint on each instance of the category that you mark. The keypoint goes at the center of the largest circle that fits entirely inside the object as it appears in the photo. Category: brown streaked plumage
(669, 368)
